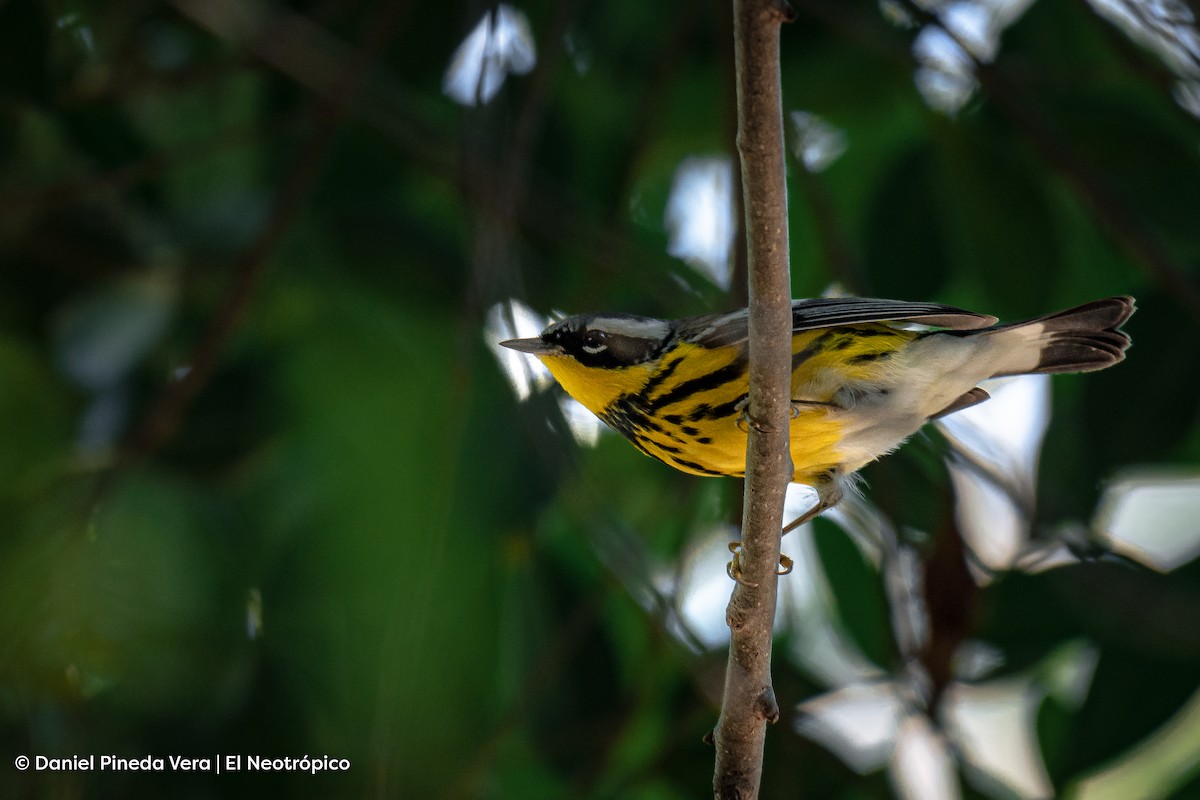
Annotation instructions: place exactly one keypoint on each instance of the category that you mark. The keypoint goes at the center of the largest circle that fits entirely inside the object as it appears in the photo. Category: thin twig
(749, 701)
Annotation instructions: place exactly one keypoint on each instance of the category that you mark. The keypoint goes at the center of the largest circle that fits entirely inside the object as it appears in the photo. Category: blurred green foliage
(344, 536)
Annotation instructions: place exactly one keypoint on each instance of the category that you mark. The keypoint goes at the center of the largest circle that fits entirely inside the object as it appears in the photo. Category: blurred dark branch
(32, 201)
(951, 603)
(1091, 188)
(749, 700)
(161, 421)
(1105, 203)
(1093, 191)
(163, 417)
(304, 52)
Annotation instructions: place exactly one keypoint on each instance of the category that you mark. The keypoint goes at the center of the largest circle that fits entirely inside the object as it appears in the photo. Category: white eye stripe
(636, 327)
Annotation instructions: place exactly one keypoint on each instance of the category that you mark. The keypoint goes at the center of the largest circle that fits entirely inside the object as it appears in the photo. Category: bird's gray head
(607, 341)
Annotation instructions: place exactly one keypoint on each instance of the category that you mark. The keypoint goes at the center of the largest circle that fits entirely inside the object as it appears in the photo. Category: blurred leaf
(34, 423)
(1111, 721)
(392, 576)
(114, 609)
(858, 592)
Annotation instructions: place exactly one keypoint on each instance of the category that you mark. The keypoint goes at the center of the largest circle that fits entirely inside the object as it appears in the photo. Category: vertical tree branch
(749, 702)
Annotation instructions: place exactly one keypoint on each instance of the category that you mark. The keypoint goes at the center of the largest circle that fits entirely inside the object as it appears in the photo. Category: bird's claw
(744, 421)
(734, 568)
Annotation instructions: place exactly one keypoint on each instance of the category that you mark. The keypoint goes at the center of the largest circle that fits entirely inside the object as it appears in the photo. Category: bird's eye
(593, 341)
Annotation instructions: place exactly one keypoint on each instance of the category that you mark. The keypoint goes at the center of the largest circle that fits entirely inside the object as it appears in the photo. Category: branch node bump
(784, 11)
(768, 706)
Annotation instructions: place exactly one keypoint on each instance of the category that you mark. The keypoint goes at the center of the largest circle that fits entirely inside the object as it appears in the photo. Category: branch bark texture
(749, 700)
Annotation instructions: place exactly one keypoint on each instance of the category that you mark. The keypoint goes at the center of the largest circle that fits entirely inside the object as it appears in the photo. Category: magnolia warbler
(866, 374)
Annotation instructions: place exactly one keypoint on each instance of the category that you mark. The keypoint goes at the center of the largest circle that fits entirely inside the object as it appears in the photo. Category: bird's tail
(1080, 339)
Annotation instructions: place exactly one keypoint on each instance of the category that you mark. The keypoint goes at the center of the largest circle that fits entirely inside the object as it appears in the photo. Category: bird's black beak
(533, 346)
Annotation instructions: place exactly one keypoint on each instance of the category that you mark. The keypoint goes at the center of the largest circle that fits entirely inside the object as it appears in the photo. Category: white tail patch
(1016, 350)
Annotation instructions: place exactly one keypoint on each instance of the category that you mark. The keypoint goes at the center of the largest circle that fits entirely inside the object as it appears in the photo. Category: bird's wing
(719, 330)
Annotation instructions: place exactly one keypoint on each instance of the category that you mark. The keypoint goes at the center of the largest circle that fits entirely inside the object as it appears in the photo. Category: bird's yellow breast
(686, 408)
(596, 389)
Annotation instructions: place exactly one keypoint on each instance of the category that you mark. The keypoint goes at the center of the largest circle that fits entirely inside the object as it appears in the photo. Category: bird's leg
(829, 494)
